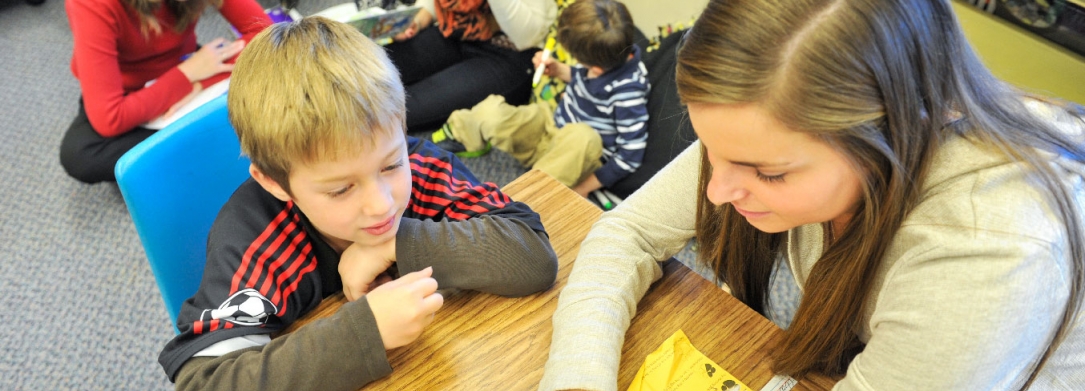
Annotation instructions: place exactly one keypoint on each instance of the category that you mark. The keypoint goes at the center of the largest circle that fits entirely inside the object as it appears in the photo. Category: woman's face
(775, 177)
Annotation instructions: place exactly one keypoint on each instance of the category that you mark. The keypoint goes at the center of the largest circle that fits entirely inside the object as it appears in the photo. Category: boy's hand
(362, 268)
(588, 185)
(211, 59)
(422, 20)
(196, 89)
(404, 307)
(554, 69)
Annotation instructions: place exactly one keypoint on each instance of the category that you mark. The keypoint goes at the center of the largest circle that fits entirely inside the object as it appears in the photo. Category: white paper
(780, 383)
(214, 91)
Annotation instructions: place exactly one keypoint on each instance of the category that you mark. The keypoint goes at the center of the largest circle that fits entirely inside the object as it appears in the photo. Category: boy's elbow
(540, 266)
(548, 268)
(194, 373)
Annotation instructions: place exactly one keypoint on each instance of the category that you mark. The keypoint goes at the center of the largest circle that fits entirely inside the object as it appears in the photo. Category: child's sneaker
(443, 139)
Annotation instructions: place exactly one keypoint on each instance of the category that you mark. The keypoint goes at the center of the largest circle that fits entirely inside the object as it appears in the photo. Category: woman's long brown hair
(186, 12)
(884, 82)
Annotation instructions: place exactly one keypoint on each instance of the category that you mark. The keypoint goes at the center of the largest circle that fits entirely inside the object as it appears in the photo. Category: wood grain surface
(485, 342)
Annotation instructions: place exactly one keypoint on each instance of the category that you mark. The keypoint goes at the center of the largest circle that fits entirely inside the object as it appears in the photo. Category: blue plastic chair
(174, 184)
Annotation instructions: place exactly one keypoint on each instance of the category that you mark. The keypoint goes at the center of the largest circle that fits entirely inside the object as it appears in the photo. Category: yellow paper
(678, 366)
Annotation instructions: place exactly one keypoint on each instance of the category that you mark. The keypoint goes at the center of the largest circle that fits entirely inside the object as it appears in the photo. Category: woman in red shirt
(137, 60)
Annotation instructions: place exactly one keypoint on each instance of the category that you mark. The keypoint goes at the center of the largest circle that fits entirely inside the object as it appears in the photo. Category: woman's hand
(196, 89)
(211, 59)
(422, 20)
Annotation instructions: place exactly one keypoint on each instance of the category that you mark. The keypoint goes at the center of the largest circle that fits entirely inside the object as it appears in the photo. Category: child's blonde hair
(312, 90)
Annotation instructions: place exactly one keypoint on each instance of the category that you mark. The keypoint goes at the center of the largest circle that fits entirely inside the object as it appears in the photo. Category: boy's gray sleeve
(342, 352)
(487, 253)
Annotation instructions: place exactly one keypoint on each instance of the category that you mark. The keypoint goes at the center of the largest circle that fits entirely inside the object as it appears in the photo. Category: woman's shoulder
(975, 188)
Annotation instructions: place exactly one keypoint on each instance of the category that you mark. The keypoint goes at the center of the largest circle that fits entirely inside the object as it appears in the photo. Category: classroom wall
(650, 14)
(1013, 54)
(1021, 58)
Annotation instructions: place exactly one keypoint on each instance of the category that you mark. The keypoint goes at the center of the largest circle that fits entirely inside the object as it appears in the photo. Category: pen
(542, 63)
(603, 200)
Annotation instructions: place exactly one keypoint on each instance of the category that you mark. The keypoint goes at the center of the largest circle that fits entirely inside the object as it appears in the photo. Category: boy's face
(357, 199)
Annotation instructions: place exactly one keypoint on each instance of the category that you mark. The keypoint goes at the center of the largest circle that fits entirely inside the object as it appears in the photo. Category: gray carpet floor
(79, 308)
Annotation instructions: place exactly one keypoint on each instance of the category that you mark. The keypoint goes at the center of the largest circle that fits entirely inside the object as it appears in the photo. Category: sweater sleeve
(249, 19)
(471, 232)
(631, 123)
(526, 22)
(971, 315)
(488, 253)
(110, 110)
(346, 345)
(618, 261)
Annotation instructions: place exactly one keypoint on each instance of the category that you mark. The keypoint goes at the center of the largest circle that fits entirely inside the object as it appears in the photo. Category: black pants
(442, 75)
(89, 157)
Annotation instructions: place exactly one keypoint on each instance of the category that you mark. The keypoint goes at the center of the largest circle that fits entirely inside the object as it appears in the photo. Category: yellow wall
(650, 14)
(1022, 58)
(1013, 54)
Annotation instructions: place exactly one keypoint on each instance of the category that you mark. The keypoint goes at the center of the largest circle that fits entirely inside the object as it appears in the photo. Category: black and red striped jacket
(267, 266)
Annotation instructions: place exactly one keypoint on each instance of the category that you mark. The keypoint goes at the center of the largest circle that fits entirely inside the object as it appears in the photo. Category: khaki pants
(528, 133)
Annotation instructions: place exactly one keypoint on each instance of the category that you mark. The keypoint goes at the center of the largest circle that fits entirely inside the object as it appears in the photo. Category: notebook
(206, 95)
(378, 24)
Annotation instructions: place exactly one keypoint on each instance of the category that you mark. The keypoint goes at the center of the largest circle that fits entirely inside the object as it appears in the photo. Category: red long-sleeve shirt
(113, 60)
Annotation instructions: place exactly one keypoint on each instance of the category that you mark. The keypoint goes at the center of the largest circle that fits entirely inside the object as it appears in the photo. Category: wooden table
(485, 342)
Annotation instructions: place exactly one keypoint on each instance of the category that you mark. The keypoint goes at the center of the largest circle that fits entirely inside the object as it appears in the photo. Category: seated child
(597, 134)
(338, 195)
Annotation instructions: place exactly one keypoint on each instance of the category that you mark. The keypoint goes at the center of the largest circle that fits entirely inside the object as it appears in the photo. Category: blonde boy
(335, 186)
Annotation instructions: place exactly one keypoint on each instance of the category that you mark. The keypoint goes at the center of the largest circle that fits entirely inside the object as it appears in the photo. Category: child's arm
(554, 68)
(346, 344)
(473, 235)
(631, 121)
(263, 272)
(342, 352)
(588, 185)
(350, 345)
(491, 253)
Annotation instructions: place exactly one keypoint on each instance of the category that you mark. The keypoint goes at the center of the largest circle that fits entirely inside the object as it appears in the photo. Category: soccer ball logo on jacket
(247, 307)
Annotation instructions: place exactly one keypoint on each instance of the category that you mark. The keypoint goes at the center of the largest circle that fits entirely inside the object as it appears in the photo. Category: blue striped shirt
(615, 105)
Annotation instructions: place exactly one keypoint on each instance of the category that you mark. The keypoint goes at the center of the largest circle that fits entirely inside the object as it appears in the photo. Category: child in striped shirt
(597, 134)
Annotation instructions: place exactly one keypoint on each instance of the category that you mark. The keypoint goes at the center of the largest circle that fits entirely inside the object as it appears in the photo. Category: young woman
(458, 52)
(137, 60)
(931, 213)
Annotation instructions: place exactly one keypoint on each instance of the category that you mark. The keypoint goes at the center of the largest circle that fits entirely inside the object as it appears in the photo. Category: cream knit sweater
(967, 297)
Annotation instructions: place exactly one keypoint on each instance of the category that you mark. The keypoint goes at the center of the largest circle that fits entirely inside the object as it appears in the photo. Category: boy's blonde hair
(312, 90)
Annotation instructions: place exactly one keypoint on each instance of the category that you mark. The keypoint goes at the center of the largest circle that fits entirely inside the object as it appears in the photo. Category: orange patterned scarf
(467, 20)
